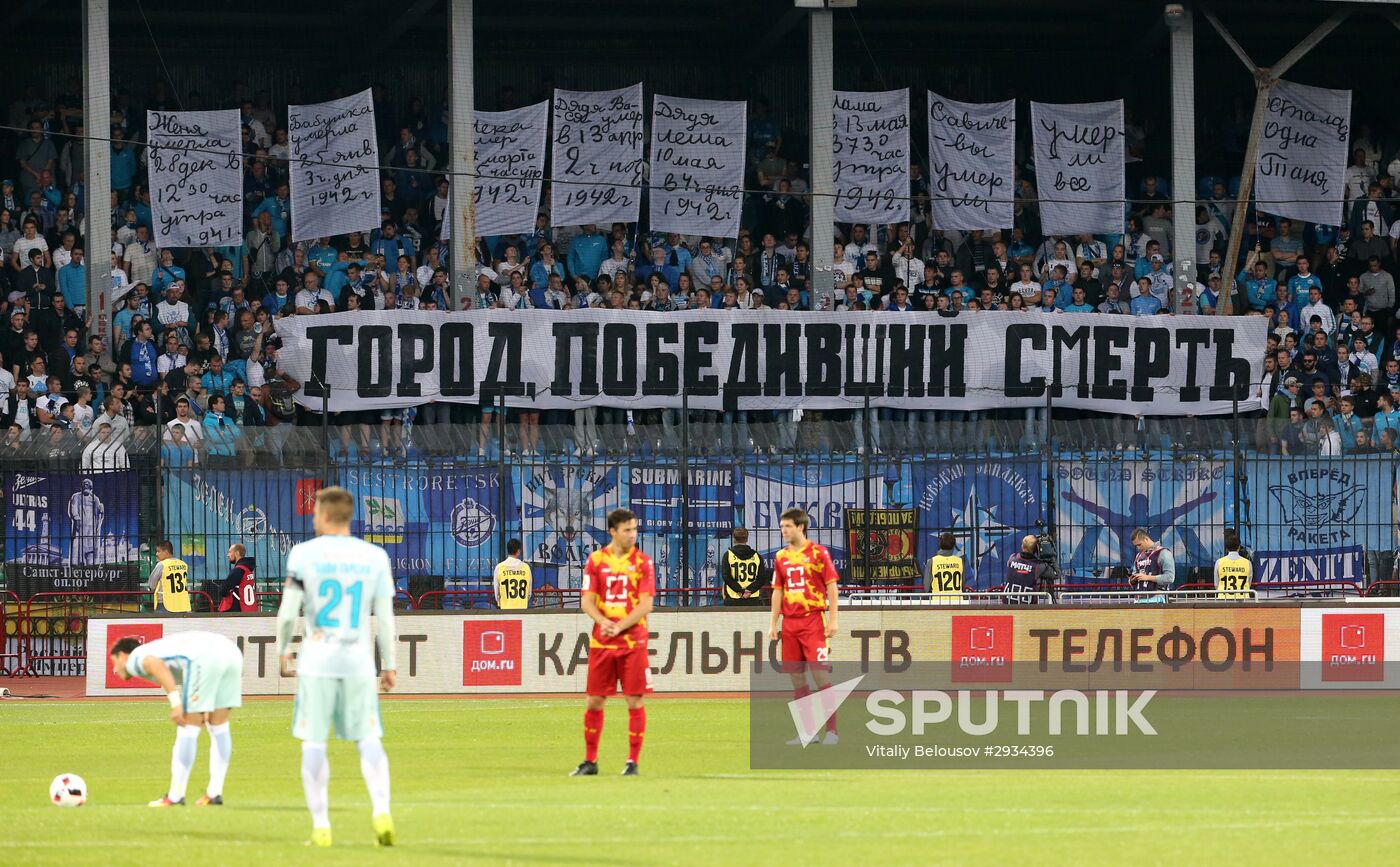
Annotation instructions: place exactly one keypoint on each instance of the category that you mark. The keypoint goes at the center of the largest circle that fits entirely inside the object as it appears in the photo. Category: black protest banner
(1157, 365)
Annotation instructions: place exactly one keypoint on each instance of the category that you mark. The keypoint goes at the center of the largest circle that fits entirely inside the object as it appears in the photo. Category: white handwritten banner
(972, 162)
(697, 165)
(870, 156)
(196, 167)
(1079, 166)
(597, 171)
(509, 169)
(1303, 153)
(334, 167)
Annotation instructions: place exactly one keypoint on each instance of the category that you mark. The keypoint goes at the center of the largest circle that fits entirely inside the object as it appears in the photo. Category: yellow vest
(514, 583)
(744, 572)
(1233, 573)
(173, 592)
(945, 574)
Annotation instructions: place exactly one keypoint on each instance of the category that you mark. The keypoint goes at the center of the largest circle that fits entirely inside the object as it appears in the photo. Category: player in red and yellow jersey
(805, 596)
(619, 583)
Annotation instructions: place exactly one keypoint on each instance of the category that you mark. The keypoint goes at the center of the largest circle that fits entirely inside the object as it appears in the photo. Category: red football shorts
(804, 639)
(607, 666)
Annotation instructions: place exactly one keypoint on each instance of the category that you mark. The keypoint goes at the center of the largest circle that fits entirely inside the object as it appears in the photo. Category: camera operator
(1154, 567)
(1027, 573)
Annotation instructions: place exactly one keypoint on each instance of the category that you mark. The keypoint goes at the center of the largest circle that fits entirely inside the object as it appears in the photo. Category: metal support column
(463, 183)
(822, 186)
(97, 164)
(1183, 136)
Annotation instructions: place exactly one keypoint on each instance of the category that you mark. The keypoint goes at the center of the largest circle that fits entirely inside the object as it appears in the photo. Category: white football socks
(220, 751)
(182, 757)
(374, 766)
(316, 781)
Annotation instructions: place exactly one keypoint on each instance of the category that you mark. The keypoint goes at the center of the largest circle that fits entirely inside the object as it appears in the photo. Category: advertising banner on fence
(196, 174)
(987, 506)
(1209, 646)
(564, 515)
(440, 522)
(266, 511)
(703, 505)
(824, 491)
(881, 546)
(1181, 505)
(1150, 365)
(1345, 564)
(1357, 648)
(664, 508)
(1307, 506)
(71, 531)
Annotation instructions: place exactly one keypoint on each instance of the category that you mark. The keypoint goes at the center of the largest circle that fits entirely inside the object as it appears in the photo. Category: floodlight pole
(462, 212)
(1264, 79)
(822, 186)
(97, 163)
(1183, 50)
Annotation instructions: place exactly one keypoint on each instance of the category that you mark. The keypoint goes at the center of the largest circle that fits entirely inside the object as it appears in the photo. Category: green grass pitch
(484, 781)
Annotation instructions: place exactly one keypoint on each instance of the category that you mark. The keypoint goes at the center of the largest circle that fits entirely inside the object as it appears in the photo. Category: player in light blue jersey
(202, 675)
(339, 581)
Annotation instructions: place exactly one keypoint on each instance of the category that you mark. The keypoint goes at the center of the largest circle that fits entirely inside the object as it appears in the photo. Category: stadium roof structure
(764, 30)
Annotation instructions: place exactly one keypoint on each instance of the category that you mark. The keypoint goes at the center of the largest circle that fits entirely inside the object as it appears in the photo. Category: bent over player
(339, 581)
(804, 595)
(619, 583)
(202, 675)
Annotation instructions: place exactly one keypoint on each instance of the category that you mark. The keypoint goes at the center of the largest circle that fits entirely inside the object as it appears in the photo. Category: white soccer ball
(68, 790)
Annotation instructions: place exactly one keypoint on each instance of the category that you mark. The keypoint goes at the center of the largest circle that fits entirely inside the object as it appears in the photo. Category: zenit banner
(551, 359)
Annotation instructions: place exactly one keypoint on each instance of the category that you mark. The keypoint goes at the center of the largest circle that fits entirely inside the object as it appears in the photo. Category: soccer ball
(68, 790)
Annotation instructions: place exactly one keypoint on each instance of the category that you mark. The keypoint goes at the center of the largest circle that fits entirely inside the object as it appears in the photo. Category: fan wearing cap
(9, 200)
(1160, 279)
(1284, 400)
(1121, 276)
(12, 339)
(1362, 355)
(1209, 295)
(1187, 304)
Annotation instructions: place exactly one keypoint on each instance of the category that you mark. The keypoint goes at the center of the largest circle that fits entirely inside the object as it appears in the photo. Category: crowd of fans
(193, 340)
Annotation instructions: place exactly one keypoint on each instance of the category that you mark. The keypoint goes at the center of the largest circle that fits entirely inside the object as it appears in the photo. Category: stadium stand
(184, 395)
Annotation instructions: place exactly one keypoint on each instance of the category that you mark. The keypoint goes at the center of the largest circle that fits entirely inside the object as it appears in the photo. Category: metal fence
(444, 488)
